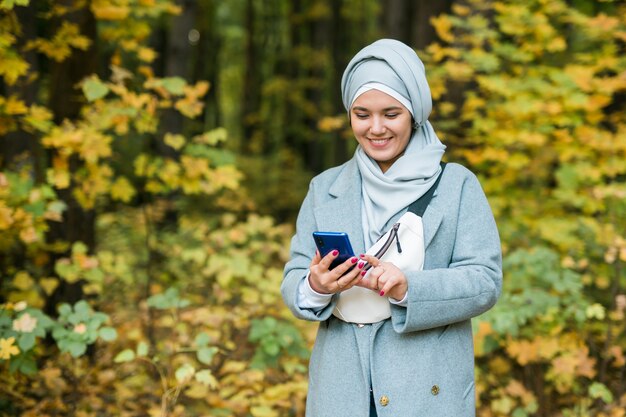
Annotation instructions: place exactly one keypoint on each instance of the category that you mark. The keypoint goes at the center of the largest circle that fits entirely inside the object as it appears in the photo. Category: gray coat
(421, 361)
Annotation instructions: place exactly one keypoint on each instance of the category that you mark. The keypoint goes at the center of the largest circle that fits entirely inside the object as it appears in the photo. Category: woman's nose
(378, 126)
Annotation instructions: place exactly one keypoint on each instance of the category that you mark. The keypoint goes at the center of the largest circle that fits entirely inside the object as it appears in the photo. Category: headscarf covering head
(395, 65)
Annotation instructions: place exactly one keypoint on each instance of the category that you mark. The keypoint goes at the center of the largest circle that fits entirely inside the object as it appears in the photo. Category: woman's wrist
(315, 288)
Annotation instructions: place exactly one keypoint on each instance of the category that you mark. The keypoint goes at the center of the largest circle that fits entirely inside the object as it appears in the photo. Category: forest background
(154, 153)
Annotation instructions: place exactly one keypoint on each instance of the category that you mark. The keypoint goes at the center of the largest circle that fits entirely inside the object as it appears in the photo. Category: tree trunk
(396, 20)
(178, 57)
(252, 85)
(207, 62)
(65, 102)
(422, 32)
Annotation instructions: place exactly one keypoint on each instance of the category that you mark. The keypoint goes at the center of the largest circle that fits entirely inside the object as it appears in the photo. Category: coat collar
(343, 213)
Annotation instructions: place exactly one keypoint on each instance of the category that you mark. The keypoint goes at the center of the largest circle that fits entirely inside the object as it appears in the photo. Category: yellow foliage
(459, 71)
(538, 349)
(48, 285)
(6, 216)
(617, 353)
(8, 349)
(443, 26)
(59, 47)
(122, 190)
(104, 10)
(39, 117)
(329, 124)
(12, 66)
(174, 141)
(146, 54)
(14, 106)
(23, 281)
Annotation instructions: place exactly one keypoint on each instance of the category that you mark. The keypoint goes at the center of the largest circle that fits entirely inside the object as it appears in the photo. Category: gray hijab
(385, 195)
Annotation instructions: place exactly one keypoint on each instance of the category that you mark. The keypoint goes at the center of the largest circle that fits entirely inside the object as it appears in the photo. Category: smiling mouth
(379, 141)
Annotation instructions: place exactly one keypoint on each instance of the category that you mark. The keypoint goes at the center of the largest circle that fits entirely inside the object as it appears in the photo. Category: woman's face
(382, 126)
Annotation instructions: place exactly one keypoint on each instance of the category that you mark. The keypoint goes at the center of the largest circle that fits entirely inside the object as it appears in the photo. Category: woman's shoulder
(330, 175)
(460, 181)
(458, 173)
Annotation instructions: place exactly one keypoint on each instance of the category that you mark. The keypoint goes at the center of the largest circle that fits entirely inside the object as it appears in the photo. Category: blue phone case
(329, 241)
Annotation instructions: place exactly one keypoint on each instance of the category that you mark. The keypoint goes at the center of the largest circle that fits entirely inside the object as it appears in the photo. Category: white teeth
(378, 142)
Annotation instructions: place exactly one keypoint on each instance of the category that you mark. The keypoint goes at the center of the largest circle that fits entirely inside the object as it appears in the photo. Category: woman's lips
(379, 142)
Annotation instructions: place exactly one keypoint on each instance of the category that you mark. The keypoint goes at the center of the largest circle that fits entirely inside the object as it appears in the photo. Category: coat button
(384, 400)
(434, 390)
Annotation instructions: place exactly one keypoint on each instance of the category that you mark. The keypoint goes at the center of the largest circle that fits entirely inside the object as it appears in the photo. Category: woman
(414, 357)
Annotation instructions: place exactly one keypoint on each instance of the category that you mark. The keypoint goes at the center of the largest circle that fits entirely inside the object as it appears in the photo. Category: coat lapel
(432, 220)
(343, 212)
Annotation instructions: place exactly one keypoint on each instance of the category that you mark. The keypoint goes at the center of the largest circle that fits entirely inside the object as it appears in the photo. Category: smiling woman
(405, 348)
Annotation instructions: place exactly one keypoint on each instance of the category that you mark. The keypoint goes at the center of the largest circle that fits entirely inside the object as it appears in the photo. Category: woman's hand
(340, 278)
(384, 278)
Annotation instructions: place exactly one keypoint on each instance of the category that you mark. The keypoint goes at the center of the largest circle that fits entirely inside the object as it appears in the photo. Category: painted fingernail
(382, 293)
(360, 265)
(363, 273)
(361, 256)
(335, 252)
(353, 260)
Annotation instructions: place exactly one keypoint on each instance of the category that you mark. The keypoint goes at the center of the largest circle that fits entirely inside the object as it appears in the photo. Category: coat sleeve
(300, 256)
(466, 279)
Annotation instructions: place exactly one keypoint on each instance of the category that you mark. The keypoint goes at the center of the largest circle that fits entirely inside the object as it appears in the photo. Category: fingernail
(361, 256)
(363, 273)
(382, 293)
(335, 252)
(360, 265)
(353, 260)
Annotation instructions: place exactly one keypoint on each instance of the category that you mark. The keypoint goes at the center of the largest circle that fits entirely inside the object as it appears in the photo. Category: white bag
(402, 245)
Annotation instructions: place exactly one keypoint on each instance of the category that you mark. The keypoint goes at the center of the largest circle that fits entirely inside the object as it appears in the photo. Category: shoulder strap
(418, 207)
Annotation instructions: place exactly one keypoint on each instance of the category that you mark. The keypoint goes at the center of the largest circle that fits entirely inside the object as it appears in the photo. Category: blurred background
(154, 154)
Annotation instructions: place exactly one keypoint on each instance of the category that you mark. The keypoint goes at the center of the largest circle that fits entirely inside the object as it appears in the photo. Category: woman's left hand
(384, 278)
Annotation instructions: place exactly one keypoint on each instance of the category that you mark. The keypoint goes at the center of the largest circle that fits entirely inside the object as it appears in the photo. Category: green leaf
(184, 373)
(126, 355)
(599, 390)
(26, 341)
(206, 354)
(65, 309)
(82, 310)
(94, 89)
(206, 377)
(212, 137)
(76, 349)
(202, 339)
(108, 334)
(174, 85)
(24, 363)
(142, 349)
(271, 347)
(9, 4)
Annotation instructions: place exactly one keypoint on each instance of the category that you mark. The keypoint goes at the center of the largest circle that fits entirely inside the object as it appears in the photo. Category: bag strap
(418, 207)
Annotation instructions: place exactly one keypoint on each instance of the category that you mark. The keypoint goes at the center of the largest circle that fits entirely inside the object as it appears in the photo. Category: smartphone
(329, 241)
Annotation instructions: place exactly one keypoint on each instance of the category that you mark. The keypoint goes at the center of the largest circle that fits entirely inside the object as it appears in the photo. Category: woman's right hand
(340, 278)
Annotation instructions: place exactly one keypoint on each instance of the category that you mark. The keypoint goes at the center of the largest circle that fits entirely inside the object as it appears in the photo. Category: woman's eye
(361, 115)
(391, 115)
